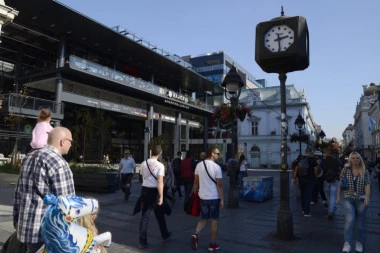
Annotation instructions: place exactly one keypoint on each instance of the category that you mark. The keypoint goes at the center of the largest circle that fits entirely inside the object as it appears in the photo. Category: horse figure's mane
(56, 236)
(61, 234)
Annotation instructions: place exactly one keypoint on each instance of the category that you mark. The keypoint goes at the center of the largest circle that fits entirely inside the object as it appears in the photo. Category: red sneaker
(213, 247)
(194, 241)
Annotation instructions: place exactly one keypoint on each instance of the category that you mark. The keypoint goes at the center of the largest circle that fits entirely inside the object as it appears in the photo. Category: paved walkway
(250, 228)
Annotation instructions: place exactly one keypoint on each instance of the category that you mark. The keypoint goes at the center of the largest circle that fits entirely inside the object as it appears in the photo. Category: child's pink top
(40, 134)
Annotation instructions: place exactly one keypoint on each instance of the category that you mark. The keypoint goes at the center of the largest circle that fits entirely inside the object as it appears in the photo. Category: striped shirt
(46, 170)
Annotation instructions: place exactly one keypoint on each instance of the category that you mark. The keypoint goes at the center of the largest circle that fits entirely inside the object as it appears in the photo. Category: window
(254, 128)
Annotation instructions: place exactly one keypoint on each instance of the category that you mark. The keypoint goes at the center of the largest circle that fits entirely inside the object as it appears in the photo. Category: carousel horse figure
(59, 230)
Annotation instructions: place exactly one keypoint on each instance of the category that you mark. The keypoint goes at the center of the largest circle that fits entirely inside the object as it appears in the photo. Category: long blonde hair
(88, 222)
(361, 166)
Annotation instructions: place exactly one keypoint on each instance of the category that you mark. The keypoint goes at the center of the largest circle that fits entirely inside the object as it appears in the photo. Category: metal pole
(299, 135)
(284, 216)
(233, 194)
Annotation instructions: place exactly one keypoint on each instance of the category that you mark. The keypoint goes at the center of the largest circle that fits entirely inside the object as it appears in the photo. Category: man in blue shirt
(127, 168)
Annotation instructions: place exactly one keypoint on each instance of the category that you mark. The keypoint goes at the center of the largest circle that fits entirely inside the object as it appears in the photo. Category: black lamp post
(300, 126)
(232, 85)
(322, 135)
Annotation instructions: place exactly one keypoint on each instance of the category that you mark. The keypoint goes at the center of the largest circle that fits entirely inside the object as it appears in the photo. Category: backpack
(176, 165)
(303, 166)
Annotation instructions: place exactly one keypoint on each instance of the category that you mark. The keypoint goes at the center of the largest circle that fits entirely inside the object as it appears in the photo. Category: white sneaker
(358, 247)
(346, 247)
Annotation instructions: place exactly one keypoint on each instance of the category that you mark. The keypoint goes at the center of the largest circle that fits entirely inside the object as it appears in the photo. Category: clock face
(279, 38)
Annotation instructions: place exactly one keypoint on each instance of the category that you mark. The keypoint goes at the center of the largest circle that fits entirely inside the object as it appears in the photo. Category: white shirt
(157, 168)
(207, 188)
(242, 166)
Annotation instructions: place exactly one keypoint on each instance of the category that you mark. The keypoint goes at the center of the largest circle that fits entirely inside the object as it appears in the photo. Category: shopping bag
(194, 207)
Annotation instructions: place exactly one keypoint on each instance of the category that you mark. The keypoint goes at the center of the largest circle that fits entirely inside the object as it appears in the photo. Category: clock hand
(278, 39)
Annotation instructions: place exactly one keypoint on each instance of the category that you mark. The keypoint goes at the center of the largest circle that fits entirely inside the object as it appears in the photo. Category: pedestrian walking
(331, 169)
(152, 196)
(168, 179)
(187, 177)
(208, 184)
(295, 177)
(356, 201)
(176, 166)
(306, 182)
(319, 189)
(43, 171)
(127, 168)
(242, 169)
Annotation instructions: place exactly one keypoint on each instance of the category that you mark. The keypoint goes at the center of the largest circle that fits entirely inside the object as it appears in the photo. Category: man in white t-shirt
(152, 196)
(208, 184)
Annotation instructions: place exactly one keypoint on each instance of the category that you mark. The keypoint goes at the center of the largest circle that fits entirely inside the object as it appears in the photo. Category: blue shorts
(210, 209)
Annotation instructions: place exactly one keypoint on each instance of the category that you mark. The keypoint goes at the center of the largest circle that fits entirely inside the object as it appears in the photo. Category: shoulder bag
(166, 209)
(208, 173)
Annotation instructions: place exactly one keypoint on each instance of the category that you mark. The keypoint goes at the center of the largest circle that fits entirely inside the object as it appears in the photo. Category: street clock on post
(282, 44)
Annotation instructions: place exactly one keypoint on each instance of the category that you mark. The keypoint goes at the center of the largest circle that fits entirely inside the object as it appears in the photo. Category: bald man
(43, 171)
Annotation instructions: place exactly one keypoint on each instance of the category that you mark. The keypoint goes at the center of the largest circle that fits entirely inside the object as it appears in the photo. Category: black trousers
(125, 183)
(148, 202)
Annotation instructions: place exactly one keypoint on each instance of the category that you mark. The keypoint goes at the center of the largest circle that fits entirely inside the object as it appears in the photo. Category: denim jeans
(332, 191)
(355, 214)
(210, 208)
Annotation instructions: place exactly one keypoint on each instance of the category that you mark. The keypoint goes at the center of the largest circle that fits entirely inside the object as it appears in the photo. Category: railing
(120, 77)
(22, 104)
(173, 57)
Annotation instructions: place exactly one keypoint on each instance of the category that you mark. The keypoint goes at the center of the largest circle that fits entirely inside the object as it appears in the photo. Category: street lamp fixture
(232, 85)
(300, 126)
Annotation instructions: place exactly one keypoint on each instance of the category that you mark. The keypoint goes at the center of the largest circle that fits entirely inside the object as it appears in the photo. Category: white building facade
(259, 136)
(364, 142)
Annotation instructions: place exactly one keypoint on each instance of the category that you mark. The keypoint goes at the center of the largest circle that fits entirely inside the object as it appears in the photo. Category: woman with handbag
(355, 182)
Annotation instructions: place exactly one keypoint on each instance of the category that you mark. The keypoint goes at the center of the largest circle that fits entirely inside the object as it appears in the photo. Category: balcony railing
(26, 105)
(120, 77)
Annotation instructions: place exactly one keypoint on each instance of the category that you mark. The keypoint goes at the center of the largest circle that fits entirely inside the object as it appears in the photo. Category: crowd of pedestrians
(45, 171)
(329, 173)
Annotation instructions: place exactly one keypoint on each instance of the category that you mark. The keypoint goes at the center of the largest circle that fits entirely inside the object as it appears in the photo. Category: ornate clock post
(282, 45)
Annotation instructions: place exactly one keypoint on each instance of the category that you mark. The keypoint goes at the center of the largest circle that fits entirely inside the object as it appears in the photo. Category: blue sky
(344, 41)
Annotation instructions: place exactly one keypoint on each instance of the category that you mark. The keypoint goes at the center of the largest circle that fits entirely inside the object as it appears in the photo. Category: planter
(96, 181)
